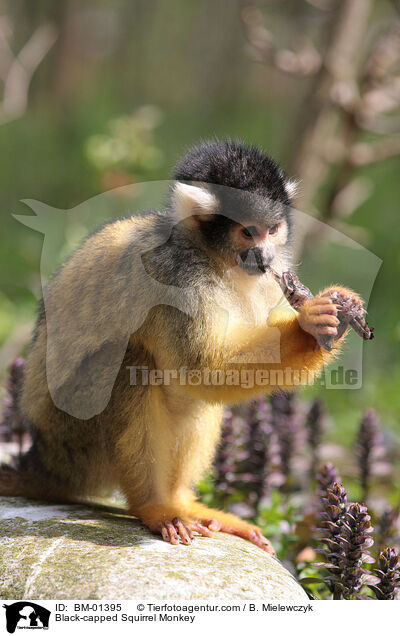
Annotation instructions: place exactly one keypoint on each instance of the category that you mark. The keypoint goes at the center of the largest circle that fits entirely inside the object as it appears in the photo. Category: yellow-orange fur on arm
(279, 346)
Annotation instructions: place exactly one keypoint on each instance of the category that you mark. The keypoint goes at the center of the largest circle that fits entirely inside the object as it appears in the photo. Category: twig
(363, 154)
(262, 47)
(18, 76)
(329, 104)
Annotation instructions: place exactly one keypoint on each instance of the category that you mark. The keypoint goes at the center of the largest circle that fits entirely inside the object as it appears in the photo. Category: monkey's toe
(175, 531)
(255, 536)
(212, 524)
(202, 529)
(263, 543)
(251, 533)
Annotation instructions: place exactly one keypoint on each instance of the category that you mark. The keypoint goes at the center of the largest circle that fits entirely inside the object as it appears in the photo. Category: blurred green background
(127, 85)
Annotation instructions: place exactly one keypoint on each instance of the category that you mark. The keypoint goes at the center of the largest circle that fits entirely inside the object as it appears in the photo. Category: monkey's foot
(174, 525)
(224, 522)
(176, 529)
(177, 526)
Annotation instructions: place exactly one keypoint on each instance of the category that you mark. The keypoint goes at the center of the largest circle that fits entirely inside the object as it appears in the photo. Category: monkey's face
(252, 245)
(249, 231)
(240, 229)
(256, 246)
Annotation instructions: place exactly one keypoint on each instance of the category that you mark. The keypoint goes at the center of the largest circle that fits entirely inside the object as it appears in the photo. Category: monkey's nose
(256, 259)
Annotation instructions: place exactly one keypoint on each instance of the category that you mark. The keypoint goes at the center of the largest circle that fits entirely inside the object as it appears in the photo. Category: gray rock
(84, 552)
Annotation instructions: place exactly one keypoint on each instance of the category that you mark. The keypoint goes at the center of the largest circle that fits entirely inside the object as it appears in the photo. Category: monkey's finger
(322, 308)
(172, 535)
(198, 527)
(324, 319)
(182, 531)
(326, 331)
(323, 299)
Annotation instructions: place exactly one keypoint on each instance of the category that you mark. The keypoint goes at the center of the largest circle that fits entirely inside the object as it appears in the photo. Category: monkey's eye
(250, 232)
(274, 229)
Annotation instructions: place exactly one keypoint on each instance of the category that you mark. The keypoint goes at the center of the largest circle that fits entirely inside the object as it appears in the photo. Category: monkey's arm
(274, 354)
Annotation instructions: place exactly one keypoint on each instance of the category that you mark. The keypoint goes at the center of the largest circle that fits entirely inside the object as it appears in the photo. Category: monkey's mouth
(253, 262)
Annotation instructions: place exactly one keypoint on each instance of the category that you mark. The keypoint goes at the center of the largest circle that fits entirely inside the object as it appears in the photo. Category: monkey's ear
(292, 187)
(191, 201)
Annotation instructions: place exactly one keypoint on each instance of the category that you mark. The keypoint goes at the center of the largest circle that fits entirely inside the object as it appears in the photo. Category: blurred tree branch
(262, 46)
(355, 88)
(16, 71)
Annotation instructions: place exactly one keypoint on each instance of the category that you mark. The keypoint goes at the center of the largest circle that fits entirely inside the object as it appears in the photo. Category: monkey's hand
(350, 308)
(318, 317)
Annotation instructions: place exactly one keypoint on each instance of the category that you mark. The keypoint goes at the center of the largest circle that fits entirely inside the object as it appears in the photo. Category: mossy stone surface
(84, 552)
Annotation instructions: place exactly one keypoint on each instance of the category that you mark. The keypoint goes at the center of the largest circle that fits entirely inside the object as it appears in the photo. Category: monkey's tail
(23, 477)
(28, 478)
(20, 477)
(15, 483)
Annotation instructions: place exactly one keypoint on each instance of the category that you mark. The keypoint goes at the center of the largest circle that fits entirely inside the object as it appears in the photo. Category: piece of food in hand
(350, 310)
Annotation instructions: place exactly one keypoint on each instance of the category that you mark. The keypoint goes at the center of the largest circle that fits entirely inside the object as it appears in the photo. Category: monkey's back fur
(90, 301)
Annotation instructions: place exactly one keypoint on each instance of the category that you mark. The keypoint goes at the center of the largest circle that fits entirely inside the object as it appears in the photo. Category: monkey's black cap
(235, 165)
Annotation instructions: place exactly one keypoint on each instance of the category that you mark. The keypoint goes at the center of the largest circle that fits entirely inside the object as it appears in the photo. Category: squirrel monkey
(229, 219)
